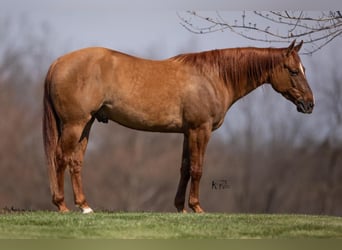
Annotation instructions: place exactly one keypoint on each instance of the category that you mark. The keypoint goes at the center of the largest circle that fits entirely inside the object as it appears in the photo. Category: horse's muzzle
(305, 107)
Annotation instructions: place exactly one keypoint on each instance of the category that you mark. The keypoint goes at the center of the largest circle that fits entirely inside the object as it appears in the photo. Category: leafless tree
(317, 29)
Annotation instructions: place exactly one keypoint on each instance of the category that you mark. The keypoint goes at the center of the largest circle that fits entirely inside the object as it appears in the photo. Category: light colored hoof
(87, 210)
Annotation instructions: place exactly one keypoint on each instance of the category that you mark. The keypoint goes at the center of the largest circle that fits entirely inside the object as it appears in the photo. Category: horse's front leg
(198, 140)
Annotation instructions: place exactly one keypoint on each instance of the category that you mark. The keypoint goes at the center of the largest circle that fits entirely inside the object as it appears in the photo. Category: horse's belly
(157, 119)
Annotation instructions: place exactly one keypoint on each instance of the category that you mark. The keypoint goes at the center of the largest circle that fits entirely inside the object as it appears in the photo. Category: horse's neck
(246, 87)
(241, 70)
(247, 71)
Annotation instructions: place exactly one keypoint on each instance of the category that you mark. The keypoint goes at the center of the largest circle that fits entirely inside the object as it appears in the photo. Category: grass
(105, 225)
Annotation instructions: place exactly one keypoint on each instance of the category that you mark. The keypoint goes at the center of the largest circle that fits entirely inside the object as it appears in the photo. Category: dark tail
(50, 134)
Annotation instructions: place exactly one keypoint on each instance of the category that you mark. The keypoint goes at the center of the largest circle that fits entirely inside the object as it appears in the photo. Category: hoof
(182, 211)
(63, 210)
(87, 210)
(197, 209)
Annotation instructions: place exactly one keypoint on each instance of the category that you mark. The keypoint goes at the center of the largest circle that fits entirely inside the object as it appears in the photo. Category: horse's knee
(75, 166)
(73, 161)
(196, 174)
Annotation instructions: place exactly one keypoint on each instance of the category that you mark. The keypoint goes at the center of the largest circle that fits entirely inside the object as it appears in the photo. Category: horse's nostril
(305, 107)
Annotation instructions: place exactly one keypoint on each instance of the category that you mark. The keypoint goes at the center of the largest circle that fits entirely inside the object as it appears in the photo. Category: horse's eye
(293, 72)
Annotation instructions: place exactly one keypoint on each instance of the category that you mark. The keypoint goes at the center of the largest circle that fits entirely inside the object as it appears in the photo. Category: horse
(188, 94)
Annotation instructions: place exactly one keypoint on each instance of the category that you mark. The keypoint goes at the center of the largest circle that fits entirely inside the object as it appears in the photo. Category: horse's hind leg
(73, 144)
(58, 198)
(184, 177)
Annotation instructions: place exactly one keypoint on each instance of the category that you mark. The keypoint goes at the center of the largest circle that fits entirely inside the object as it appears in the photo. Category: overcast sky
(139, 27)
(82, 24)
(142, 28)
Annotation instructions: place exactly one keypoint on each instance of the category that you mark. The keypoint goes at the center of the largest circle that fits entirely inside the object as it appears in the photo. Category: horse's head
(289, 79)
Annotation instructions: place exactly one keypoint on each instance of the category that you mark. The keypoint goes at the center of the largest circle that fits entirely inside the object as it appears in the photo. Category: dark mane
(235, 66)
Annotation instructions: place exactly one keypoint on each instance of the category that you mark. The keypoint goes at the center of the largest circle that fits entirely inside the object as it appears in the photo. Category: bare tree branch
(317, 29)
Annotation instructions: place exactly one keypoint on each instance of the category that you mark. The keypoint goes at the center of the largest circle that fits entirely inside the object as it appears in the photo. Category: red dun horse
(187, 94)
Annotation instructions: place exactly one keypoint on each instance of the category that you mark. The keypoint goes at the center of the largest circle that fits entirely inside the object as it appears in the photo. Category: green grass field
(104, 225)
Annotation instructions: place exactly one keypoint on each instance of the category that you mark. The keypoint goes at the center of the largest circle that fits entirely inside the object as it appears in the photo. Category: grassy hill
(105, 225)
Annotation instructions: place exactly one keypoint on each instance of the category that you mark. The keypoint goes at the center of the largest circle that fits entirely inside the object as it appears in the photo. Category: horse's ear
(290, 48)
(298, 46)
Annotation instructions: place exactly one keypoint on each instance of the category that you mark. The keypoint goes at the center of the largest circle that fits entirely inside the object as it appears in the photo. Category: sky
(136, 31)
(144, 31)
(143, 28)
